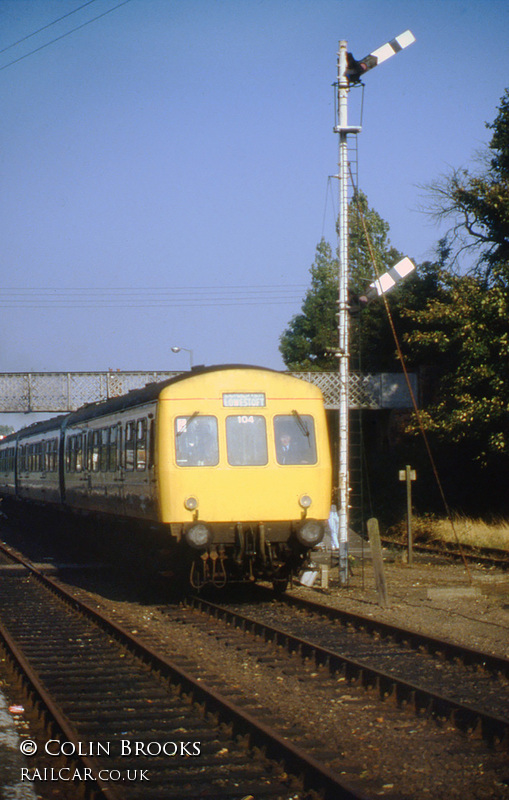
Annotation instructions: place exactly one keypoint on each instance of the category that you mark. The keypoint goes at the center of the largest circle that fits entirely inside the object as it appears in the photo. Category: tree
(464, 329)
(311, 338)
(479, 204)
(309, 341)
(463, 332)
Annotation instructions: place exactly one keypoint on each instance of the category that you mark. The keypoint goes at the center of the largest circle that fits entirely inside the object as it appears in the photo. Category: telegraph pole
(349, 71)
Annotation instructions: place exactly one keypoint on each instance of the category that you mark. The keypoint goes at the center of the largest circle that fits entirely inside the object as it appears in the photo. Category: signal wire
(411, 391)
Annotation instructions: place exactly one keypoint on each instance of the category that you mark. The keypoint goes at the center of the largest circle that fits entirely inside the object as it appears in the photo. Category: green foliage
(462, 335)
(311, 338)
(479, 205)
(5, 430)
(308, 341)
(460, 339)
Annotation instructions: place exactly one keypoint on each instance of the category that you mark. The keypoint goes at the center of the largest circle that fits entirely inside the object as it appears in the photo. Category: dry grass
(472, 532)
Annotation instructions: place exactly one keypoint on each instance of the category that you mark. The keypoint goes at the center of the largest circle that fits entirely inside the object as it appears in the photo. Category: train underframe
(189, 556)
(247, 552)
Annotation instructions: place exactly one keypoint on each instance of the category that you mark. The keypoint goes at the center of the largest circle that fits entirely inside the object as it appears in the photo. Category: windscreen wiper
(300, 422)
(188, 421)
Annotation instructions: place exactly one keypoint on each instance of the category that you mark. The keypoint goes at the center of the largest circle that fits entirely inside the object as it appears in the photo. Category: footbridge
(61, 392)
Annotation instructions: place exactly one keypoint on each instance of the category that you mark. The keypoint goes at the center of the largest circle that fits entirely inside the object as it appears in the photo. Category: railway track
(128, 722)
(434, 677)
(478, 555)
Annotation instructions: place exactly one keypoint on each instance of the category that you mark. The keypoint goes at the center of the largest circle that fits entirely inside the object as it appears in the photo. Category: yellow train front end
(243, 472)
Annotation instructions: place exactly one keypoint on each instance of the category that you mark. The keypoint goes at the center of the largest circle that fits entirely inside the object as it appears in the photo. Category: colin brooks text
(121, 747)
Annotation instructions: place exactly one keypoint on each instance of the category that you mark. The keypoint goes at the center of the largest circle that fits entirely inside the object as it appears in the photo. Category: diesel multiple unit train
(229, 466)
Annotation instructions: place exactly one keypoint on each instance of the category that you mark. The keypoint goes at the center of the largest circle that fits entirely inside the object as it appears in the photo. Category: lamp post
(177, 349)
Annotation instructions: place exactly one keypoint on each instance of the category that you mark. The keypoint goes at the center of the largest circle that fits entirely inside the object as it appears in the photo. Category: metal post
(343, 327)
(357, 69)
(408, 479)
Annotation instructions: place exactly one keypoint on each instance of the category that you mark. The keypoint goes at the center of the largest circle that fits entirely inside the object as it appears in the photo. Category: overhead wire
(45, 27)
(144, 297)
(64, 35)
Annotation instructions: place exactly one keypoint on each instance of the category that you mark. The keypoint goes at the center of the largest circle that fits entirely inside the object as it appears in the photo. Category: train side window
(151, 444)
(96, 451)
(129, 442)
(141, 444)
(105, 449)
(113, 450)
(79, 452)
(88, 446)
(294, 435)
(246, 440)
(196, 441)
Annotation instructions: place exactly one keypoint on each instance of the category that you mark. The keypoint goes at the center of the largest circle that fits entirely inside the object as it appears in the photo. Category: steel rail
(482, 555)
(312, 774)
(54, 716)
(466, 717)
(470, 656)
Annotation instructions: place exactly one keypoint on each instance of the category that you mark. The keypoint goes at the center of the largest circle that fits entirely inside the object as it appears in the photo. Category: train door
(138, 490)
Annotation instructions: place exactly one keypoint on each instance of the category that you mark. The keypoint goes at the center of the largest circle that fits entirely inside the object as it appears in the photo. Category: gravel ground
(384, 750)
(433, 596)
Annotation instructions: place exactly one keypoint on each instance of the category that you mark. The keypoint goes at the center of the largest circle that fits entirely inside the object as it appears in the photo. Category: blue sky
(179, 151)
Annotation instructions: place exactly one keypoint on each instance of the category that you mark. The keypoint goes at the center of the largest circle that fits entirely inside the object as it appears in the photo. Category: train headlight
(191, 503)
(311, 533)
(199, 536)
(305, 501)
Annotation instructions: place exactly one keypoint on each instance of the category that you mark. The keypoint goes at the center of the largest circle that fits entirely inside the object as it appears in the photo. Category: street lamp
(177, 349)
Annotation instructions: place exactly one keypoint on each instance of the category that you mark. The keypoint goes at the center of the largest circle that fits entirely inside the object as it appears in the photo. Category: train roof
(136, 397)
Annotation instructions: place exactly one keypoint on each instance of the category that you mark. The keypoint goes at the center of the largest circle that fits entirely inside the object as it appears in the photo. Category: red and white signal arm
(389, 280)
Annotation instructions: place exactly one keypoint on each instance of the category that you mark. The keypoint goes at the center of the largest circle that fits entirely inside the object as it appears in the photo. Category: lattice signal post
(349, 71)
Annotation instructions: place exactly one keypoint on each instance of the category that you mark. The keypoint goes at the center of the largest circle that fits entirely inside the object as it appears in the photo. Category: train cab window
(141, 444)
(129, 442)
(196, 441)
(246, 440)
(295, 439)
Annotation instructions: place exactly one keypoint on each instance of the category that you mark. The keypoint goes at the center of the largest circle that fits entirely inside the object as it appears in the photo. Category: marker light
(305, 501)
(191, 503)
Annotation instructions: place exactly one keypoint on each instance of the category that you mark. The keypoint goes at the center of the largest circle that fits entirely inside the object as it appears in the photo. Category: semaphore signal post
(349, 71)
